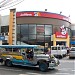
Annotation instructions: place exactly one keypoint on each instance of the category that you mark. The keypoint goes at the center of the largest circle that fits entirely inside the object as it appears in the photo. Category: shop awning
(72, 42)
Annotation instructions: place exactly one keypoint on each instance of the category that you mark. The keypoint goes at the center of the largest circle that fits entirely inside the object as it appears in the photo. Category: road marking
(73, 70)
(27, 73)
(66, 69)
(9, 69)
(67, 61)
(63, 69)
(62, 73)
(22, 74)
(32, 73)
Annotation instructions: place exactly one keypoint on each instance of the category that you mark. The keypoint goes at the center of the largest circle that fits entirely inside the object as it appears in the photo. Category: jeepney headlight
(52, 56)
(49, 58)
(57, 61)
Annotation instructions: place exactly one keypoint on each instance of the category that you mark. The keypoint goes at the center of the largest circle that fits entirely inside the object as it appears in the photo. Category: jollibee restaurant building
(37, 28)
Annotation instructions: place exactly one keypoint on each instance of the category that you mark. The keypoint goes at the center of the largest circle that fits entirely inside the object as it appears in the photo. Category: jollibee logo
(35, 13)
(63, 30)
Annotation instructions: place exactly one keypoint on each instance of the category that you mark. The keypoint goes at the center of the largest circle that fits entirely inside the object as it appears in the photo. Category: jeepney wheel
(8, 63)
(43, 66)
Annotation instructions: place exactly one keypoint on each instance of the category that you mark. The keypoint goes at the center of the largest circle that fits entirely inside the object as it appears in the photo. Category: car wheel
(43, 66)
(8, 63)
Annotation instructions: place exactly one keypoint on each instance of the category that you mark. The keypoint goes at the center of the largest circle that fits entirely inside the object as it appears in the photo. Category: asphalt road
(66, 67)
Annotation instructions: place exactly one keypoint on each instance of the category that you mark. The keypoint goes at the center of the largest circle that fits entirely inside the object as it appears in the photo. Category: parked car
(58, 51)
(72, 52)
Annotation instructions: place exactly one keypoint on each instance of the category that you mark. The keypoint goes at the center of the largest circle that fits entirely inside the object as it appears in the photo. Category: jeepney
(27, 55)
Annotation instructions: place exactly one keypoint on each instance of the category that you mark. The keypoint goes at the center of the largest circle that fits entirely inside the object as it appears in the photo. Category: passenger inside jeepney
(29, 53)
(23, 52)
(45, 50)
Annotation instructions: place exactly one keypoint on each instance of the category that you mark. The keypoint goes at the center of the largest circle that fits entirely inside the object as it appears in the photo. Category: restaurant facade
(38, 28)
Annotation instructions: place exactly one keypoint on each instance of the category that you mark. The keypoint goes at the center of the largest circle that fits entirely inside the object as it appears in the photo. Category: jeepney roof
(18, 46)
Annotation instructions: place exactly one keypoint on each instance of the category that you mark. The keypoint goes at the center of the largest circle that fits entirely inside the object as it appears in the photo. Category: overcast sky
(66, 6)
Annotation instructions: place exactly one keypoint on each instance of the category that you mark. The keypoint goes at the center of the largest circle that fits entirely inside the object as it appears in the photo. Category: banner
(42, 14)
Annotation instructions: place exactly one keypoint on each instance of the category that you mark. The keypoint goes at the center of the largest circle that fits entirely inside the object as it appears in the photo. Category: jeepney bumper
(54, 63)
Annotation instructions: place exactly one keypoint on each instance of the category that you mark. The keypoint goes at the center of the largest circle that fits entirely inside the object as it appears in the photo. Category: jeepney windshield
(38, 51)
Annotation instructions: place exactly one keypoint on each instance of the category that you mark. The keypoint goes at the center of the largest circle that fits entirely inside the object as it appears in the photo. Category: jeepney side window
(8, 49)
(16, 50)
(23, 51)
(2, 50)
(35, 50)
(29, 53)
(29, 50)
(38, 51)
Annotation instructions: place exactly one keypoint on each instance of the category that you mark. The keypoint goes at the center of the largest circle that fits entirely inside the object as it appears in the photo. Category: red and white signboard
(22, 14)
(42, 14)
(62, 34)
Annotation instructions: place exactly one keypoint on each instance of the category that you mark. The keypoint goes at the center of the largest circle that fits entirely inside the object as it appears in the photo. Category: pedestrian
(49, 51)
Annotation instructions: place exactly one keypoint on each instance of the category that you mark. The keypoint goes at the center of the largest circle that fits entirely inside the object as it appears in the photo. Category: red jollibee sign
(42, 14)
(60, 35)
(21, 14)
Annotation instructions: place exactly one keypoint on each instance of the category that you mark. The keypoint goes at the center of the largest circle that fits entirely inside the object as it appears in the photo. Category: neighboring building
(35, 27)
(73, 35)
(4, 29)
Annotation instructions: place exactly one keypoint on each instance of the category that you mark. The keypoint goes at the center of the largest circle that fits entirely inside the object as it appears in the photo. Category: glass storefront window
(47, 38)
(32, 37)
(40, 29)
(48, 29)
(18, 33)
(34, 34)
(40, 37)
(22, 34)
(32, 29)
(24, 39)
(24, 29)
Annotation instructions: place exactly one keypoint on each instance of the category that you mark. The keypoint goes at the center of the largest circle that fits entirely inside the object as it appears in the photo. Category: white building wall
(4, 20)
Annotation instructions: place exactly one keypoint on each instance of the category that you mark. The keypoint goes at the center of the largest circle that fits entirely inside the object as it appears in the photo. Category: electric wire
(11, 5)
